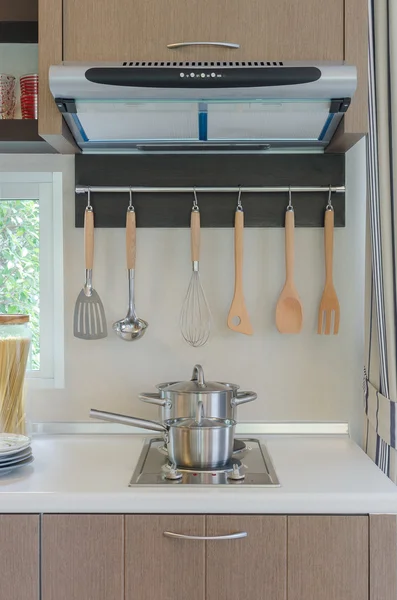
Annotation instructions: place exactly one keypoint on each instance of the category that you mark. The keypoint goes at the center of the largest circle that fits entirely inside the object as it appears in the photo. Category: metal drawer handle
(230, 536)
(218, 44)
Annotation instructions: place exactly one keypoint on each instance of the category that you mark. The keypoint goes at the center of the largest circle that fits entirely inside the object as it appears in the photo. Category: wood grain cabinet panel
(160, 567)
(19, 557)
(83, 557)
(383, 557)
(251, 567)
(96, 30)
(328, 558)
(52, 128)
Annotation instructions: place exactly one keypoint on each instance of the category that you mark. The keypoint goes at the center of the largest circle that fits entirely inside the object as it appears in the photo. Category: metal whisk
(195, 319)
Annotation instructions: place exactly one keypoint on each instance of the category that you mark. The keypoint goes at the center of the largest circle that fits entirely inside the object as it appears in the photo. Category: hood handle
(217, 44)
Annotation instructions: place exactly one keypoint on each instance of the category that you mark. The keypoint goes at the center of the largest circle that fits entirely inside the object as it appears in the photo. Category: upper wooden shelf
(19, 21)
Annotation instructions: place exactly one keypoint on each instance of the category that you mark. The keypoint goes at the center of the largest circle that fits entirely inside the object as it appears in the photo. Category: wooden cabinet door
(19, 557)
(251, 567)
(328, 558)
(125, 30)
(161, 567)
(82, 557)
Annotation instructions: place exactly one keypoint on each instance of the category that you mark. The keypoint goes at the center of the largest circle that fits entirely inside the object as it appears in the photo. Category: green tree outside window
(20, 265)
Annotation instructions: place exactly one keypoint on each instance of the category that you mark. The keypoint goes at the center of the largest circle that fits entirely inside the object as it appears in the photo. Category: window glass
(20, 265)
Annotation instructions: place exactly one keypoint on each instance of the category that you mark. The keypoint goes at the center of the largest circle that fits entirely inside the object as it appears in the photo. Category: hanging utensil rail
(213, 190)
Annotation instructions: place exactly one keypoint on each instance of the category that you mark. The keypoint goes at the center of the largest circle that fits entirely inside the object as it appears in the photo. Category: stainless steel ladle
(131, 328)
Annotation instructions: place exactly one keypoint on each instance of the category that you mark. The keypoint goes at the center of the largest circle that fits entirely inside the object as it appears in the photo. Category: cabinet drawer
(19, 557)
(161, 567)
(100, 30)
(251, 567)
(328, 558)
(82, 557)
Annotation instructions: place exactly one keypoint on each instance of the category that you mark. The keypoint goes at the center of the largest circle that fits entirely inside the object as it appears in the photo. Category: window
(31, 261)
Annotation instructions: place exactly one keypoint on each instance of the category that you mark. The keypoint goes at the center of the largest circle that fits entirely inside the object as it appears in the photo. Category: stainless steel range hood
(196, 106)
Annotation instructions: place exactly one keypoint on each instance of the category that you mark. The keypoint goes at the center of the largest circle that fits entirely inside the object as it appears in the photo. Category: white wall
(304, 377)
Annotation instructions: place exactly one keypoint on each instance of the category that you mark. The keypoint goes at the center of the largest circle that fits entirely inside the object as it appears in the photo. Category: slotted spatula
(329, 305)
(89, 315)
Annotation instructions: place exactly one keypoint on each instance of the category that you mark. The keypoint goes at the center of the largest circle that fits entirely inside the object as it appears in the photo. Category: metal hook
(239, 205)
(195, 204)
(89, 207)
(290, 207)
(329, 205)
(130, 206)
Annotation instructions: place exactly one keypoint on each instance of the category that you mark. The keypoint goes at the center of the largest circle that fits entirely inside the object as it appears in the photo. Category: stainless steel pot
(194, 443)
(179, 398)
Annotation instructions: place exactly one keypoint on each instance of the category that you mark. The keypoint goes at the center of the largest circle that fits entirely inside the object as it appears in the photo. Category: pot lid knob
(198, 375)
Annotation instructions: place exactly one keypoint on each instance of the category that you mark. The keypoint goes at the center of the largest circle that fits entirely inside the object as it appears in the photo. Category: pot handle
(126, 420)
(243, 397)
(198, 375)
(153, 399)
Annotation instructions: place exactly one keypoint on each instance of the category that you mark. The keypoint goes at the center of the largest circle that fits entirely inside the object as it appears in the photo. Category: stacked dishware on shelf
(29, 87)
(29, 96)
(7, 96)
(15, 452)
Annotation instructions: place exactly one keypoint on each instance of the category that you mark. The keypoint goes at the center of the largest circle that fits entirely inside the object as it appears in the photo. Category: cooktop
(250, 466)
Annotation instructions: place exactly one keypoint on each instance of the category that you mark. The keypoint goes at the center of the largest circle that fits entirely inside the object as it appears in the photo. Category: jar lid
(14, 319)
(197, 384)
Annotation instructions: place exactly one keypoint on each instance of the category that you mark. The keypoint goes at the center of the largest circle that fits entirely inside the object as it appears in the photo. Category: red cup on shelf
(29, 96)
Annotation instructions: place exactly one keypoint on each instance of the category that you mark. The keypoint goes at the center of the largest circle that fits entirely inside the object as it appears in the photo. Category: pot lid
(198, 385)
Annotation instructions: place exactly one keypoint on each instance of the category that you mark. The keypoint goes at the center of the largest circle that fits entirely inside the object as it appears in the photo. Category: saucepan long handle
(126, 420)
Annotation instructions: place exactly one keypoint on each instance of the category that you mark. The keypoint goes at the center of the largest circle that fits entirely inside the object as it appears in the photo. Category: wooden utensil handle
(329, 243)
(89, 238)
(130, 239)
(289, 244)
(238, 247)
(195, 235)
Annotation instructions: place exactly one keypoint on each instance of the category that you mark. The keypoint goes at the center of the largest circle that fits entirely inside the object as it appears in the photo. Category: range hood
(196, 106)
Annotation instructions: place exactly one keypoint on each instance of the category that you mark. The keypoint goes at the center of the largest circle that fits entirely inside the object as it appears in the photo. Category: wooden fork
(329, 302)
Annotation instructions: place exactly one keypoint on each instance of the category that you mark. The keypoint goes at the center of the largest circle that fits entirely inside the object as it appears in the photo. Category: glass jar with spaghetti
(15, 340)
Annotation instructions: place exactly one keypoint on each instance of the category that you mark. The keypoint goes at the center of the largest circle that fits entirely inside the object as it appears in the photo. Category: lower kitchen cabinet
(82, 557)
(160, 567)
(128, 557)
(328, 558)
(19, 557)
(251, 567)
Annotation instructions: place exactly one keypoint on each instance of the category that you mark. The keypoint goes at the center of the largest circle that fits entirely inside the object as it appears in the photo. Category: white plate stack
(15, 452)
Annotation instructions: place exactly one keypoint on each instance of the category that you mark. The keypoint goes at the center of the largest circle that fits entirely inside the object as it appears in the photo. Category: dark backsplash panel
(217, 210)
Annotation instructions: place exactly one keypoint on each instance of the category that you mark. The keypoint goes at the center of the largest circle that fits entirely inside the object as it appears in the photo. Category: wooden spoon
(289, 314)
(238, 319)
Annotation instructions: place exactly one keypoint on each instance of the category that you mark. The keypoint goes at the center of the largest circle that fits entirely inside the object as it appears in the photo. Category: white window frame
(47, 188)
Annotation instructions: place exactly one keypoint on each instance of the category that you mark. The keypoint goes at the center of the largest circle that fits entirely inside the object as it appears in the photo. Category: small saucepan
(194, 443)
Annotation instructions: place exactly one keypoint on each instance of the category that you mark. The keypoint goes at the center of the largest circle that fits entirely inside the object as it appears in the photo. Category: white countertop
(90, 473)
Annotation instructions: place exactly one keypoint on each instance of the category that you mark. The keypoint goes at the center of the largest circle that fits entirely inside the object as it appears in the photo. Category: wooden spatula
(329, 305)
(289, 313)
(238, 319)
